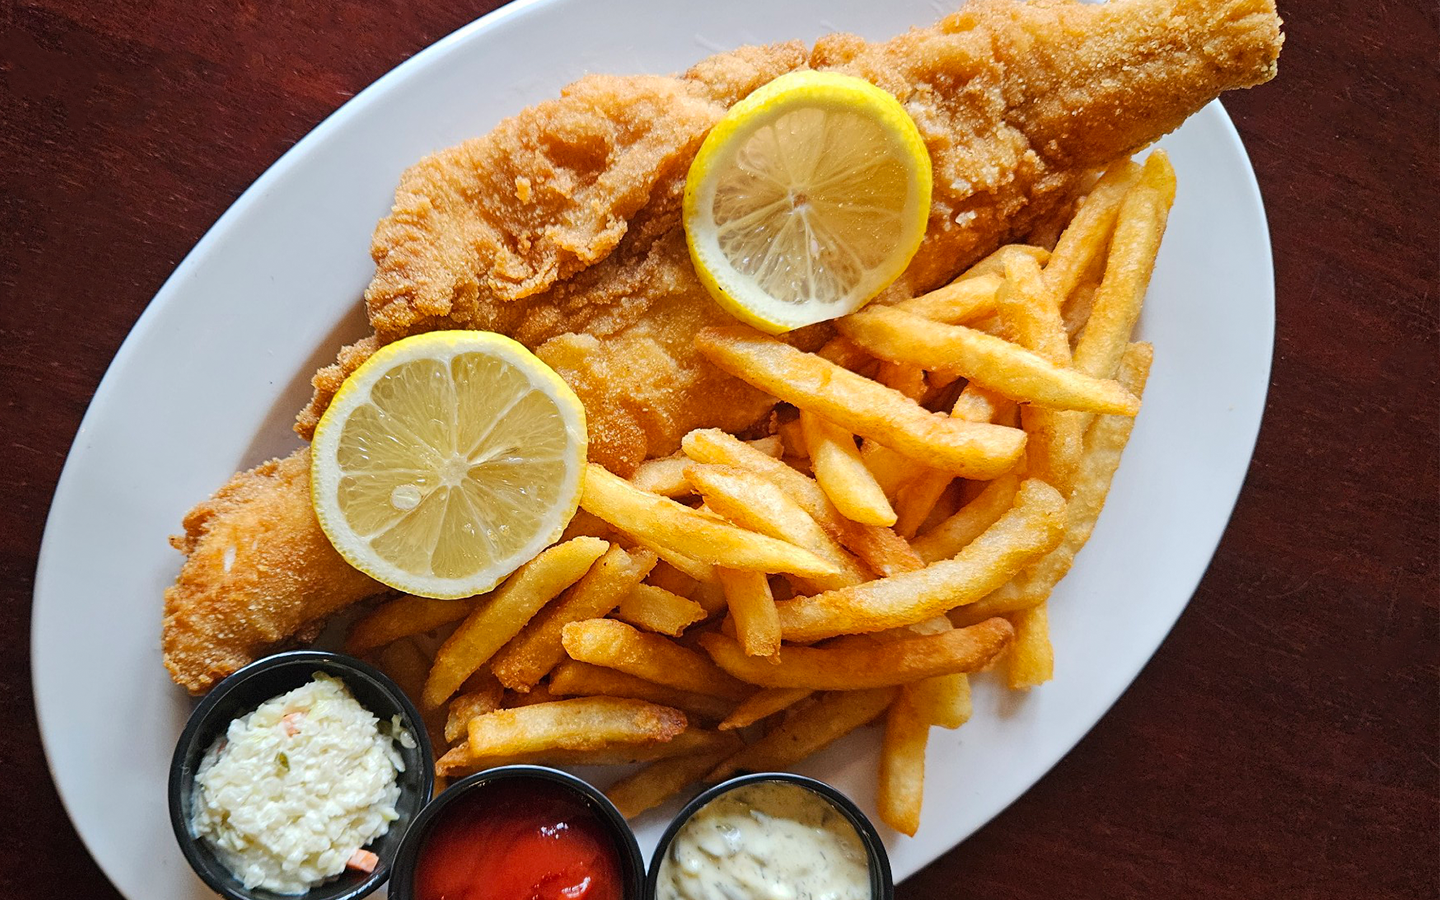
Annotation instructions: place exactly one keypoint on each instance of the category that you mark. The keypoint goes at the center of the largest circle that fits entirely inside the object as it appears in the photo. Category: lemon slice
(806, 200)
(446, 461)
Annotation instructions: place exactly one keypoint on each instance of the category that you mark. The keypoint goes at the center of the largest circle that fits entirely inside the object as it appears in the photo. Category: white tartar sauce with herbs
(770, 840)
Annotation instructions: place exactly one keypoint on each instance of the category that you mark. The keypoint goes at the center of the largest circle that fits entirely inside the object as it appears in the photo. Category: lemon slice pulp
(806, 200)
(446, 461)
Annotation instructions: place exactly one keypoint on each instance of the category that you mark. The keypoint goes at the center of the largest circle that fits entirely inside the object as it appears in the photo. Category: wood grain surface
(1282, 743)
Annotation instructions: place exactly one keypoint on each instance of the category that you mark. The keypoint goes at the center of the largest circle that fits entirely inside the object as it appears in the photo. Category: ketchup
(522, 839)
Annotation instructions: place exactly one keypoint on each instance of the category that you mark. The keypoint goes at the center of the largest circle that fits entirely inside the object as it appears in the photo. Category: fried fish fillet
(562, 229)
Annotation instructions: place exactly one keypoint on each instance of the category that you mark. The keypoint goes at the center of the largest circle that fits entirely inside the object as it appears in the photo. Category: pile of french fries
(928, 479)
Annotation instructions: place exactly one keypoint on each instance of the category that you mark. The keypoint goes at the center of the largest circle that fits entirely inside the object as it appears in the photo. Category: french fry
(958, 302)
(581, 723)
(902, 766)
(1003, 367)
(907, 379)
(582, 524)
(656, 609)
(531, 654)
(1032, 314)
(793, 439)
(505, 612)
(572, 678)
(1031, 661)
(1104, 444)
(1085, 238)
(667, 523)
(666, 476)
(466, 706)
(859, 405)
(402, 617)
(694, 569)
(1024, 534)
(950, 536)
(879, 548)
(841, 473)
(669, 578)
(1077, 311)
(460, 761)
(890, 469)
(919, 495)
(663, 779)
(615, 645)
(857, 667)
(752, 607)
(1138, 230)
(810, 730)
(754, 502)
(943, 701)
(994, 264)
(763, 703)
(845, 353)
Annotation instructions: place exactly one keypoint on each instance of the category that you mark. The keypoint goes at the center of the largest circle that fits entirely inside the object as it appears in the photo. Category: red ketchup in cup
(523, 839)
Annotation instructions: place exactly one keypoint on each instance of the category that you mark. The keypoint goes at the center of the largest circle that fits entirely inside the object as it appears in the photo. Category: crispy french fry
(582, 524)
(531, 654)
(1031, 529)
(902, 766)
(808, 731)
(950, 536)
(666, 476)
(763, 703)
(615, 645)
(661, 780)
(841, 473)
(671, 579)
(505, 612)
(1077, 311)
(752, 607)
(656, 609)
(1032, 312)
(460, 761)
(694, 569)
(994, 264)
(467, 706)
(957, 302)
(859, 405)
(1031, 661)
(572, 678)
(402, 617)
(581, 723)
(856, 667)
(667, 523)
(1003, 367)
(1138, 230)
(845, 353)
(1104, 444)
(1088, 233)
(879, 548)
(907, 379)
(754, 502)
(943, 701)
(890, 469)
(918, 496)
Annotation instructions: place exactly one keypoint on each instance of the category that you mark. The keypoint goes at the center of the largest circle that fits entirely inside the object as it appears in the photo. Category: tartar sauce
(766, 841)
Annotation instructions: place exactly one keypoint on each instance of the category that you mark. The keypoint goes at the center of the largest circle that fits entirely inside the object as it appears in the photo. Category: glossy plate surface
(209, 378)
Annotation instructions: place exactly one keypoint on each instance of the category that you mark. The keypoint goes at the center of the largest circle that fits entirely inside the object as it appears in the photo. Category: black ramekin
(882, 883)
(632, 864)
(245, 690)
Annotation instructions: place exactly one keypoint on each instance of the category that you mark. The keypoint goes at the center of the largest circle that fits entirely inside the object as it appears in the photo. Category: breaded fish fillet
(562, 228)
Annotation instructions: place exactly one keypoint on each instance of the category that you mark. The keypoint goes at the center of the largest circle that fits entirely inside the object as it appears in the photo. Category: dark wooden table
(1283, 742)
